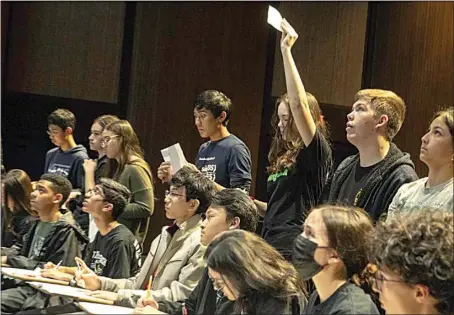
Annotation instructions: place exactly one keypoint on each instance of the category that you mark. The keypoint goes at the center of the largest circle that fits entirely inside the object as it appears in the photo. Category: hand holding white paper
(274, 18)
(174, 155)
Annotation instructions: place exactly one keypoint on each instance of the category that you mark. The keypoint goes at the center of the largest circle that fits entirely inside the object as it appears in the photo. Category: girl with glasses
(252, 273)
(127, 166)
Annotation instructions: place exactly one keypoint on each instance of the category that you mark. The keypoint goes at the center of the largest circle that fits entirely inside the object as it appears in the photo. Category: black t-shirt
(116, 255)
(348, 299)
(292, 192)
(354, 183)
(226, 162)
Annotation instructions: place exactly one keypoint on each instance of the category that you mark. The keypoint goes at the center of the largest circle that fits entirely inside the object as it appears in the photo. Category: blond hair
(385, 103)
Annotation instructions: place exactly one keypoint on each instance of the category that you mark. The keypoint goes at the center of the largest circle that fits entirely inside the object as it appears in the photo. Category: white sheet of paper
(55, 289)
(274, 18)
(101, 309)
(22, 272)
(174, 155)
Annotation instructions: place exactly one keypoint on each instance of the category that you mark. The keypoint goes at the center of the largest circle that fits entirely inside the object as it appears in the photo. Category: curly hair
(418, 247)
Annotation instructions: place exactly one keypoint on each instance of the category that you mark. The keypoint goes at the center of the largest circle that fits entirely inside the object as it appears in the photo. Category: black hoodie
(67, 163)
(382, 184)
(64, 242)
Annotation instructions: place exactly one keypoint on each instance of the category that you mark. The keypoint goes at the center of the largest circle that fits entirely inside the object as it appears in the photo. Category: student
(300, 157)
(230, 209)
(224, 159)
(371, 178)
(93, 171)
(414, 255)
(52, 238)
(127, 166)
(436, 190)
(16, 206)
(175, 258)
(114, 253)
(254, 275)
(332, 252)
(67, 158)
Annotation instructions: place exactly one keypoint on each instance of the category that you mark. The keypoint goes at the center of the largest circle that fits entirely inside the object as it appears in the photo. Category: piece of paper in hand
(174, 155)
(274, 18)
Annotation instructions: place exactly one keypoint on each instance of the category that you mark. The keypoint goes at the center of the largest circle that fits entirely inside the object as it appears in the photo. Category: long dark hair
(254, 267)
(283, 153)
(129, 146)
(18, 187)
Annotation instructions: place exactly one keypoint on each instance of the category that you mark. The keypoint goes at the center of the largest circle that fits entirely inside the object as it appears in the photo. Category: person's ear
(421, 294)
(383, 120)
(194, 205)
(108, 207)
(235, 224)
(334, 257)
(68, 131)
(57, 198)
(222, 117)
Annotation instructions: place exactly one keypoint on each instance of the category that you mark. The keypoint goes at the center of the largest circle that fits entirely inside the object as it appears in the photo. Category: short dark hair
(62, 118)
(60, 185)
(236, 203)
(116, 194)
(197, 186)
(216, 102)
(419, 247)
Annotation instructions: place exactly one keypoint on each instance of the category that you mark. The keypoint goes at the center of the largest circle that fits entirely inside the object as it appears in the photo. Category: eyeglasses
(173, 194)
(105, 141)
(379, 279)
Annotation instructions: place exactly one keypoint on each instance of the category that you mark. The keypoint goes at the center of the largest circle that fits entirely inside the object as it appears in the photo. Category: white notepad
(174, 155)
(101, 309)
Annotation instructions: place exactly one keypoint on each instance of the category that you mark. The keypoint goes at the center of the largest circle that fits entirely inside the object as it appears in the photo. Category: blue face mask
(303, 257)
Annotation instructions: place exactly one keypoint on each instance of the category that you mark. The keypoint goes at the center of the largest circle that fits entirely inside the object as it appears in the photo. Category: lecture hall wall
(146, 62)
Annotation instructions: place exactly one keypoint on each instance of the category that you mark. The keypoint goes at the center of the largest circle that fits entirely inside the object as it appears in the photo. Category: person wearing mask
(332, 252)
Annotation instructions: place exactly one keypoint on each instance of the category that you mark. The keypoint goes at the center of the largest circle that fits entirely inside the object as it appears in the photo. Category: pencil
(149, 287)
(58, 265)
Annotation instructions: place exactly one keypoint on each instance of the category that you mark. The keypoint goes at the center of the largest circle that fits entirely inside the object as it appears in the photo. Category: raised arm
(295, 89)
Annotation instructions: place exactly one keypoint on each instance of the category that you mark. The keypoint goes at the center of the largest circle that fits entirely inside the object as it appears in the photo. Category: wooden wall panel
(329, 51)
(66, 49)
(182, 49)
(5, 7)
(413, 56)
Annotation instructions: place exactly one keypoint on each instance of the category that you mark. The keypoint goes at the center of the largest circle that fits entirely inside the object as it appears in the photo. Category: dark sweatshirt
(64, 242)
(381, 185)
(67, 163)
